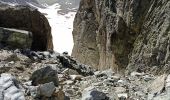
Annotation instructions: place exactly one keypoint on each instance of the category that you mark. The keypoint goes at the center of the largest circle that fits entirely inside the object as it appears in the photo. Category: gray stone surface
(10, 89)
(91, 93)
(45, 75)
(123, 34)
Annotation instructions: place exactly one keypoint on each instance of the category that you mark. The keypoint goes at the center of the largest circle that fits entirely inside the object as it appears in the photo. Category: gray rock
(168, 81)
(120, 89)
(91, 93)
(15, 38)
(69, 62)
(136, 74)
(47, 89)
(105, 73)
(122, 96)
(10, 88)
(45, 75)
(157, 86)
(43, 90)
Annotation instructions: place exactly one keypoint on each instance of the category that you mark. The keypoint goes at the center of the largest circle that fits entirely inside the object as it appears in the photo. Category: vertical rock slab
(84, 34)
(126, 34)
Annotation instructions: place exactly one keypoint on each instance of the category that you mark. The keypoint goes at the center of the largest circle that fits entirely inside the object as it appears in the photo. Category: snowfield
(62, 26)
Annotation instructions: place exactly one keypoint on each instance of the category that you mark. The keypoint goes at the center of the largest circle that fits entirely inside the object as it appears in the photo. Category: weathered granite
(120, 33)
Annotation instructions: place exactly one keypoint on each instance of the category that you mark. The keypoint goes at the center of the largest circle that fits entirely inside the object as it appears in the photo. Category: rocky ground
(30, 75)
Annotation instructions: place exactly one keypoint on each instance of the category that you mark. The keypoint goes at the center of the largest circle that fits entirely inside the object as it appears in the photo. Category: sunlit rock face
(120, 33)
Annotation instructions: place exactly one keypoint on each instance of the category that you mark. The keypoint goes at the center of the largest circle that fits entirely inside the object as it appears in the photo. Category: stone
(122, 96)
(157, 86)
(167, 81)
(69, 82)
(70, 92)
(68, 71)
(47, 89)
(120, 89)
(45, 75)
(136, 74)
(60, 95)
(76, 77)
(148, 78)
(10, 89)
(42, 90)
(107, 73)
(30, 19)
(4, 68)
(91, 93)
(71, 63)
(14, 38)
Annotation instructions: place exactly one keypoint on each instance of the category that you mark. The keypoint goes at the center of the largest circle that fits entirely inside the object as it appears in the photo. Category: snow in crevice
(61, 26)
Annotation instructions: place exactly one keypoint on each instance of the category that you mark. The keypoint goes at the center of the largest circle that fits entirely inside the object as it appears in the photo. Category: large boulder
(45, 75)
(91, 93)
(120, 33)
(14, 38)
(30, 19)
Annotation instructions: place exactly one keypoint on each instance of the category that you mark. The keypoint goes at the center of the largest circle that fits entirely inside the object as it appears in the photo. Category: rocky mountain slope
(108, 35)
(30, 19)
(48, 75)
(31, 3)
(123, 34)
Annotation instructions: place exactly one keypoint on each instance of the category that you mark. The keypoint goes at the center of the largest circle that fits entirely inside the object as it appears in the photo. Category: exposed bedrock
(122, 34)
(26, 18)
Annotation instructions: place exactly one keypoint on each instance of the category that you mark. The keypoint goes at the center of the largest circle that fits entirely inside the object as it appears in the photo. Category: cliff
(29, 19)
(123, 34)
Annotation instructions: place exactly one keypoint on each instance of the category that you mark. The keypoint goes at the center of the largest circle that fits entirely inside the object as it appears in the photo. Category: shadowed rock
(13, 38)
(26, 18)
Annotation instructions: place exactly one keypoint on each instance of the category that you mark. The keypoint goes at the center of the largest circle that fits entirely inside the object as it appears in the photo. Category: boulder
(13, 38)
(45, 75)
(60, 95)
(10, 89)
(29, 19)
(157, 86)
(91, 93)
(42, 90)
(69, 62)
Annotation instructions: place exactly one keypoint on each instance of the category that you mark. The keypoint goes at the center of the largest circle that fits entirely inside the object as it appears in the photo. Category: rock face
(25, 18)
(120, 33)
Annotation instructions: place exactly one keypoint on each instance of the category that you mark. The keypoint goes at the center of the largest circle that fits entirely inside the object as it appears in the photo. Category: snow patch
(62, 26)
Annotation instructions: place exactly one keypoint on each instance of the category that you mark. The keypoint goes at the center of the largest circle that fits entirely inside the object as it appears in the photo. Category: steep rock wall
(26, 18)
(120, 33)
